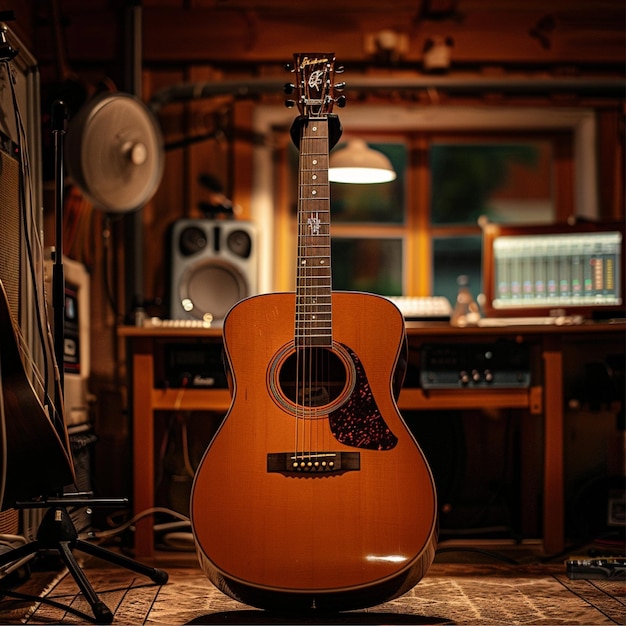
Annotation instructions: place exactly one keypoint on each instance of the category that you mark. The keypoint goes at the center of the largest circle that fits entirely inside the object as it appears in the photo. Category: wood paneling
(554, 31)
(197, 40)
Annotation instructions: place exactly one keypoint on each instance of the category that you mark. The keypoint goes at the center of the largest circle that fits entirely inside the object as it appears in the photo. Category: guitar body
(37, 461)
(331, 507)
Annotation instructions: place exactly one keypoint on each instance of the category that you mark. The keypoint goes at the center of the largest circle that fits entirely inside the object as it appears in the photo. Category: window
(503, 179)
(455, 165)
(368, 228)
(371, 264)
(506, 180)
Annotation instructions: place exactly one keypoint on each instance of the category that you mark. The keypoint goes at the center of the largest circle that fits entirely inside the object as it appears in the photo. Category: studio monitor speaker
(213, 266)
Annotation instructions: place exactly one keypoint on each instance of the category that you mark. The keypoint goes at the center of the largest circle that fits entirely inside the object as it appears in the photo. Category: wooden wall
(189, 41)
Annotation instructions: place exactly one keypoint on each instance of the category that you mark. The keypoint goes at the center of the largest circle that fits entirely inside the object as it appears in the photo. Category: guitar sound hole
(313, 377)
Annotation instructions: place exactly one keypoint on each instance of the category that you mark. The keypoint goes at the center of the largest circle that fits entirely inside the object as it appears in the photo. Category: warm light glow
(358, 163)
(391, 558)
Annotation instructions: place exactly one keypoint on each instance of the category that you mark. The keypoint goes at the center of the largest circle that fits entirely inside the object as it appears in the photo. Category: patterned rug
(448, 594)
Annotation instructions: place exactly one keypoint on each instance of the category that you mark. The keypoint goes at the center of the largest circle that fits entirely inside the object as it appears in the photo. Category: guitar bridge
(291, 463)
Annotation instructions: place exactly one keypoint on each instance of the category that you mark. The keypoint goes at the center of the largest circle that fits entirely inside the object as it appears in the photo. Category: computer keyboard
(423, 308)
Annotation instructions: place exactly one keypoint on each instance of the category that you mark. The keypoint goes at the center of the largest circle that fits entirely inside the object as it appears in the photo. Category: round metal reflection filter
(115, 152)
(211, 289)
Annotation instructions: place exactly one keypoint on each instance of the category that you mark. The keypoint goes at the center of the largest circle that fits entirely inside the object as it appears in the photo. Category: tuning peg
(340, 86)
(340, 69)
(341, 101)
(290, 104)
(289, 67)
(289, 88)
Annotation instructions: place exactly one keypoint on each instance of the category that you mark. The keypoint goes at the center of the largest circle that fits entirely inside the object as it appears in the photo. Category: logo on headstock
(306, 61)
(315, 79)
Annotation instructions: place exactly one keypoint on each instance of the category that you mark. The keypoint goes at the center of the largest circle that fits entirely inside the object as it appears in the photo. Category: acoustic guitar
(313, 494)
(34, 457)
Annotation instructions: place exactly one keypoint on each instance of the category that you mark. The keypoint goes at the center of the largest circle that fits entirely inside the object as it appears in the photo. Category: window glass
(367, 264)
(508, 179)
(381, 203)
(505, 181)
(453, 256)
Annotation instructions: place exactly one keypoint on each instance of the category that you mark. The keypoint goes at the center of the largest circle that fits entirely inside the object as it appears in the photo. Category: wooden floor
(484, 589)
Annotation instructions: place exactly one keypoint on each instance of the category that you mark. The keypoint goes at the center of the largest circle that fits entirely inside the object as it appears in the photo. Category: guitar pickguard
(358, 422)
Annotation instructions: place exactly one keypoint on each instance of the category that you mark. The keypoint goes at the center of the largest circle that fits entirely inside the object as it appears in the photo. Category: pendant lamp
(358, 163)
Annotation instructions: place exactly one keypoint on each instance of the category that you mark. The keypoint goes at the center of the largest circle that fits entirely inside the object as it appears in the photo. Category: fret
(300, 305)
(303, 309)
(314, 204)
(313, 308)
(311, 269)
(315, 285)
(314, 176)
(314, 321)
(305, 306)
(313, 272)
(309, 321)
(313, 332)
(318, 283)
(312, 258)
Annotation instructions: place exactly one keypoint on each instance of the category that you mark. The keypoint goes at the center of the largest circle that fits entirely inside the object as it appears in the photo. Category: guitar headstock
(314, 85)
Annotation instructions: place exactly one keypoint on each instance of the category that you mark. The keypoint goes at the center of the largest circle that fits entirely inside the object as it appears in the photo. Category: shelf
(545, 400)
(217, 400)
(415, 399)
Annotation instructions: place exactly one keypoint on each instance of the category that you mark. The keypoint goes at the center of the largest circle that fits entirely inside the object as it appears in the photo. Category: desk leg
(553, 483)
(143, 445)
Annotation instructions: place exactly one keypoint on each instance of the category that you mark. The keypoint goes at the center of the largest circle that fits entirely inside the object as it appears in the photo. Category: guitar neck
(313, 273)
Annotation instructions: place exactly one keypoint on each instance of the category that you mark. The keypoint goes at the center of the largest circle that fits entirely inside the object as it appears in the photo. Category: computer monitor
(554, 269)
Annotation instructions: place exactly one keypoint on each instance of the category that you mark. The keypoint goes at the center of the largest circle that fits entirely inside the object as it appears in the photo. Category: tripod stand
(57, 531)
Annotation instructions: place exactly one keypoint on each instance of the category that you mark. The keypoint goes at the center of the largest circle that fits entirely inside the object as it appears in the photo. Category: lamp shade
(358, 163)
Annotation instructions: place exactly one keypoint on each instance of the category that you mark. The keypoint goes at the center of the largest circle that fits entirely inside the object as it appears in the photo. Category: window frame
(271, 203)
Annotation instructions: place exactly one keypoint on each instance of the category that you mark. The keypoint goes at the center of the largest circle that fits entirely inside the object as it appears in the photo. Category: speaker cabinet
(213, 266)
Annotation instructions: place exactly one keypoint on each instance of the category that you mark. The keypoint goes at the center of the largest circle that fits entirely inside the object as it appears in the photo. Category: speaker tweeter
(213, 266)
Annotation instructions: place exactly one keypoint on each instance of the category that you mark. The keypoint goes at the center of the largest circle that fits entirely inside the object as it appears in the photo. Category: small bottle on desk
(466, 311)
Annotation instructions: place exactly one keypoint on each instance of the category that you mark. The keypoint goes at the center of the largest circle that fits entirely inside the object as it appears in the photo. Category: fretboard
(313, 275)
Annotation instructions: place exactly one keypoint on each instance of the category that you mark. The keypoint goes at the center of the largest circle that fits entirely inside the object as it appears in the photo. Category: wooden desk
(544, 396)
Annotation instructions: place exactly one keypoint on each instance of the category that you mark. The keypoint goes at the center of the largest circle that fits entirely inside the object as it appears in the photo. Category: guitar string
(308, 285)
(303, 338)
(312, 355)
(299, 270)
(23, 170)
(30, 233)
(34, 375)
(43, 332)
(324, 355)
(24, 174)
(315, 359)
(325, 307)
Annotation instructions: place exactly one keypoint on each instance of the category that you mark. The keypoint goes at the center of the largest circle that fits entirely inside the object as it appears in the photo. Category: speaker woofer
(209, 289)
(213, 266)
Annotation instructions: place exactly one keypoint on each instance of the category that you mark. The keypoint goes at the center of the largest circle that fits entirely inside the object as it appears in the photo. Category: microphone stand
(57, 530)
(58, 118)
